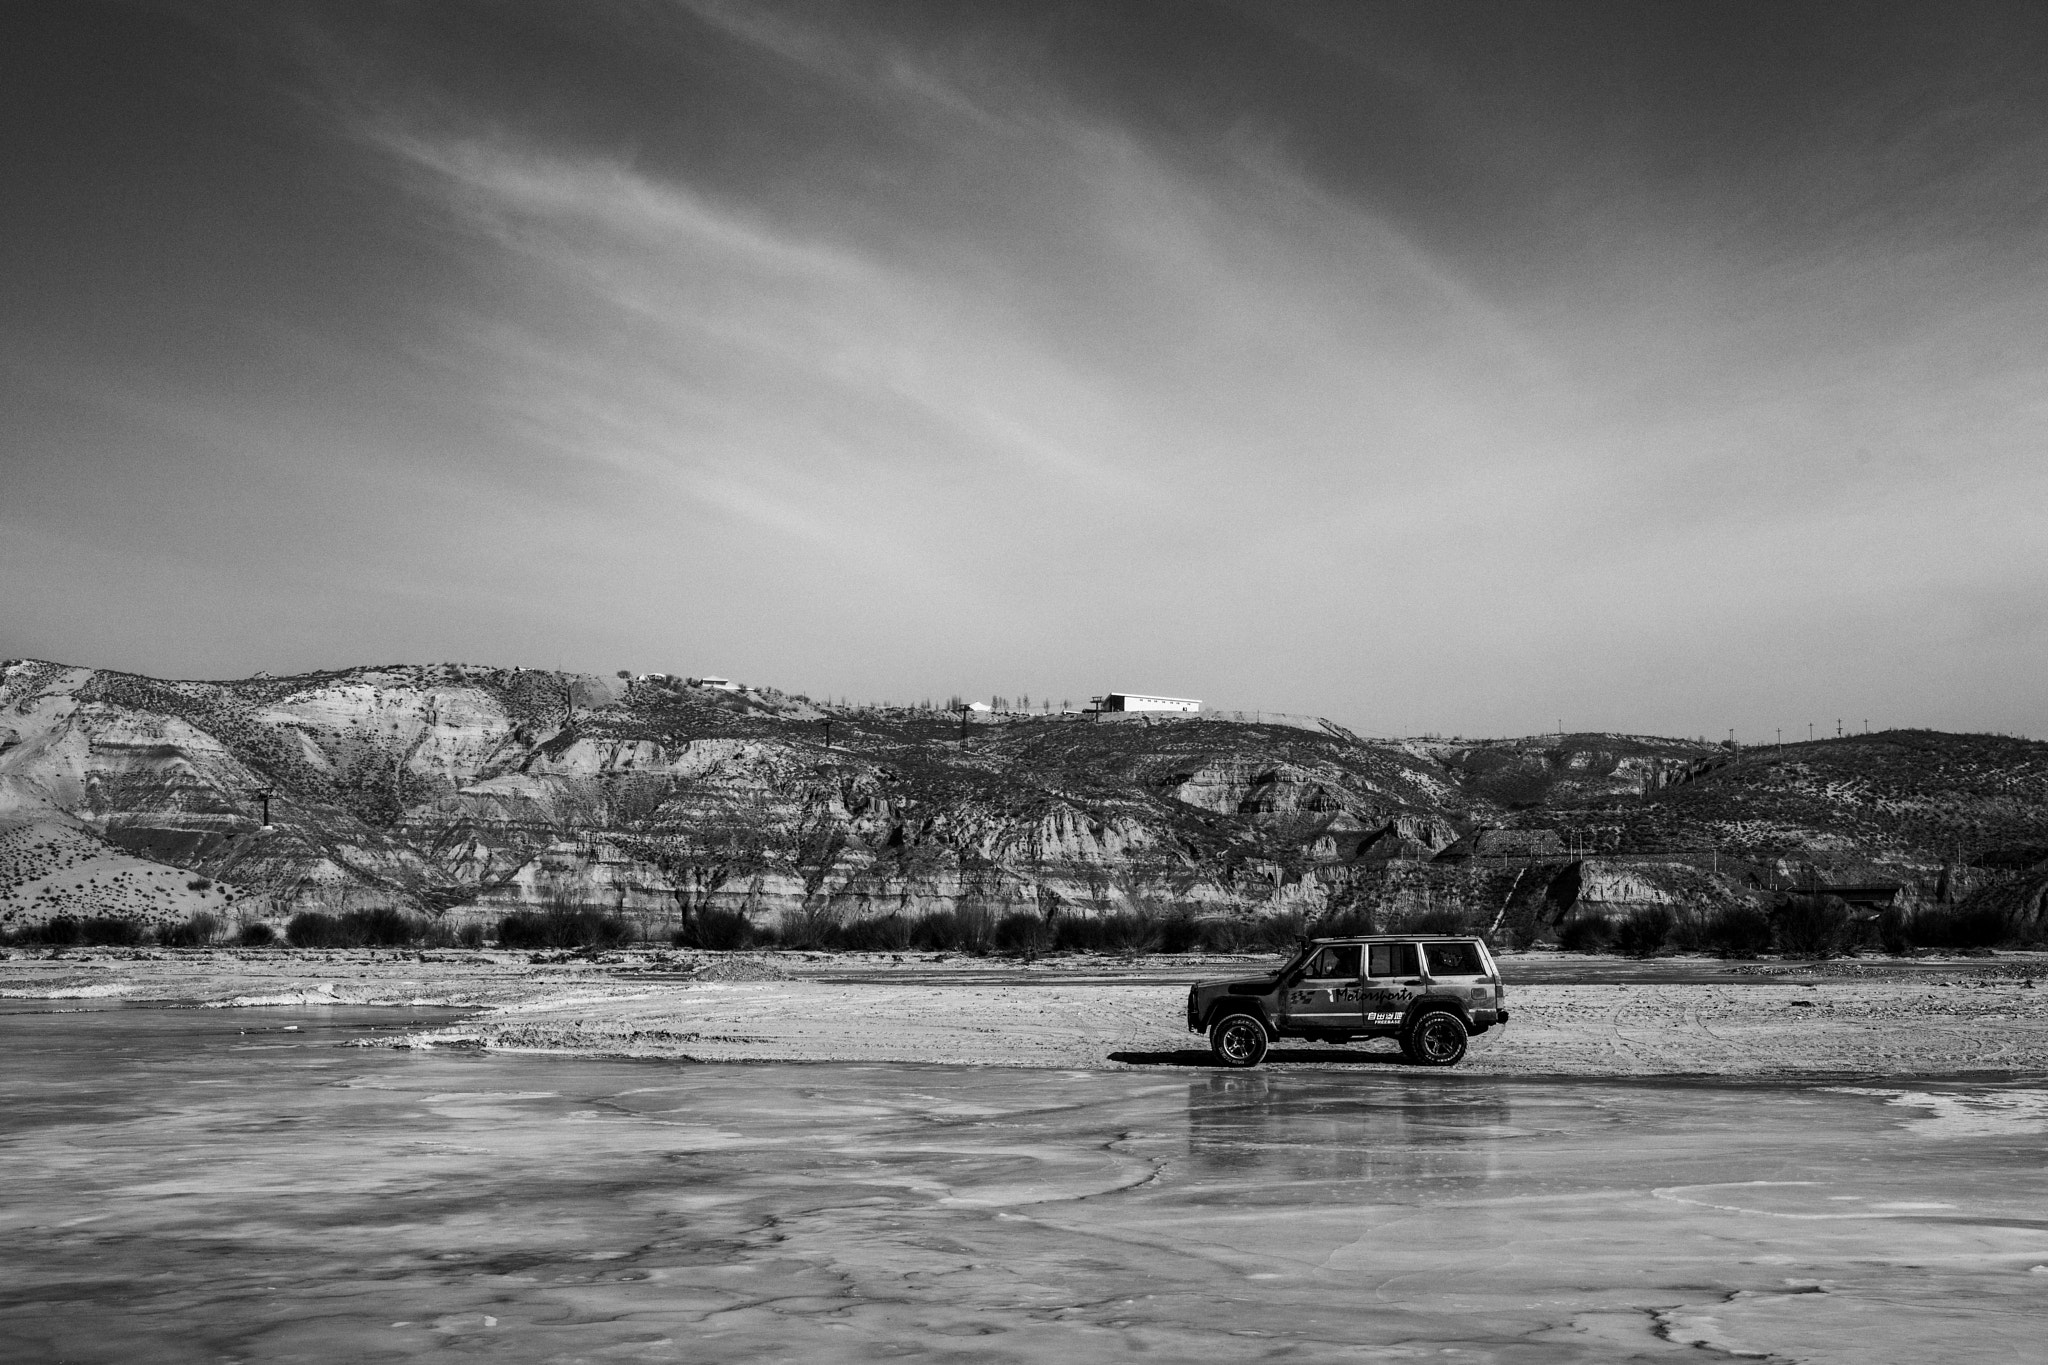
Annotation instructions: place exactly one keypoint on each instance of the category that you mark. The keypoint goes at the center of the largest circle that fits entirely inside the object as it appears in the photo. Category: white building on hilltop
(1138, 701)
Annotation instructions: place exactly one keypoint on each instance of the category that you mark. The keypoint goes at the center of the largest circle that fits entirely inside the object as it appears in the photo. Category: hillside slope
(467, 791)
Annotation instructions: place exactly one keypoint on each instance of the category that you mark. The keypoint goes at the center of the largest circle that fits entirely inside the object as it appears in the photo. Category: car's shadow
(1202, 1057)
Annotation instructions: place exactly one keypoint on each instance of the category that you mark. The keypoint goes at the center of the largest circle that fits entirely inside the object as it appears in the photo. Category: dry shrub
(721, 931)
(1958, 927)
(1585, 934)
(439, 933)
(1735, 931)
(314, 929)
(195, 932)
(67, 931)
(1118, 932)
(59, 932)
(379, 928)
(1813, 926)
(1891, 932)
(1023, 932)
(812, 926)
(1248, 935)
(890, 933)
(964, 929)
(1642, 932)
(560, 928)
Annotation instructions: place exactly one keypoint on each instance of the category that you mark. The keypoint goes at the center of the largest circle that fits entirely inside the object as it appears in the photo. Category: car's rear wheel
(1435, 1038)
(1238, 1040)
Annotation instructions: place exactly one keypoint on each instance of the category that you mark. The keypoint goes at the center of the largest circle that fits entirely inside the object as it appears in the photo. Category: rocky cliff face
(467, 792)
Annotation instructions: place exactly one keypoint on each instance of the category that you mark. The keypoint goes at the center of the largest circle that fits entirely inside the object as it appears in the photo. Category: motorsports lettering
(1430, 992)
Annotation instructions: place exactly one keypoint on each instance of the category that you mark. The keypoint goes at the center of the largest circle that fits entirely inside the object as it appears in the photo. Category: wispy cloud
(1357, 369)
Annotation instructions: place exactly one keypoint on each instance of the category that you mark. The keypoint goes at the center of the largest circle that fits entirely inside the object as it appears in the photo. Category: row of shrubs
(977, 930)
(1804, 926)
(974, 930)
(65, 931)
(521, 929)
(382, 928)
(967, 930)
(356, 929)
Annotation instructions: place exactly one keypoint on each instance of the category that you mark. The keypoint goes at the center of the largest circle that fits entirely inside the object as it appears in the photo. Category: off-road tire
(1434, 1038)
(1238, 1040)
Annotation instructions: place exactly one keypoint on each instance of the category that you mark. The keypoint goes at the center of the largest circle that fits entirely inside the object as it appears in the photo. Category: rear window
(1454, 959)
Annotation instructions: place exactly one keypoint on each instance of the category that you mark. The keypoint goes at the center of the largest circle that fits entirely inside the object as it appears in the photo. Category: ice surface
(190, 1185)
(2007, 1111)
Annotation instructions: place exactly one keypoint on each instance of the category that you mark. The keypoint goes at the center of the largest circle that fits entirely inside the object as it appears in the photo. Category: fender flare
(1426, 1004)
(1227, 1005)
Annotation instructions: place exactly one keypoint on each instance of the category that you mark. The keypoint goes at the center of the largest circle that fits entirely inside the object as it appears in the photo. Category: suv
(1431, 991)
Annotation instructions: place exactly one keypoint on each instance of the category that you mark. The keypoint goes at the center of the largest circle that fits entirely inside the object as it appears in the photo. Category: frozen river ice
(231, 1184)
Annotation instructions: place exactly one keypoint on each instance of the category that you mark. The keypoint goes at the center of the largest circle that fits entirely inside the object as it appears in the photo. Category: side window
(1455, 959)
(1394, 959)
(1336, 961)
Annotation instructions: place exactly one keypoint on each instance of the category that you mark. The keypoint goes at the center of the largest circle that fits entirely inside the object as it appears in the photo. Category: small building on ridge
(1138, 701)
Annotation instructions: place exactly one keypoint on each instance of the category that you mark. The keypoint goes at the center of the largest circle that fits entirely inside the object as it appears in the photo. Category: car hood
(1261, 983)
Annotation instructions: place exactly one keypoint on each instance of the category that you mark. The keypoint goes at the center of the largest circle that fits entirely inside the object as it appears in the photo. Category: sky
(1470, 369)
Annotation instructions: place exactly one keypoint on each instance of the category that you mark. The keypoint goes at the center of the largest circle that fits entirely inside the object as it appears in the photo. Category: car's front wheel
(1238, 1040)
(1435, 1038)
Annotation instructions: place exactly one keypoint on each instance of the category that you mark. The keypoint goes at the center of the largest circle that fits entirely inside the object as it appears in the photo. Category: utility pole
(264, 796)
(828, 734)
(1809, 732)
(1838, 727)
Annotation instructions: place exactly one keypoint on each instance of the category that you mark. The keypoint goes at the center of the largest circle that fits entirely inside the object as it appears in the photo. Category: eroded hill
(466, 791)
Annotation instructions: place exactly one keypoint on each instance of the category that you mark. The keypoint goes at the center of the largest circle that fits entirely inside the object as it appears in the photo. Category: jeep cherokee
(1430, 991)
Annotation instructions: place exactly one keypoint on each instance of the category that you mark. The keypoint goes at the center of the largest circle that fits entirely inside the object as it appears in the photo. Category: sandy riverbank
(1571, 1016)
